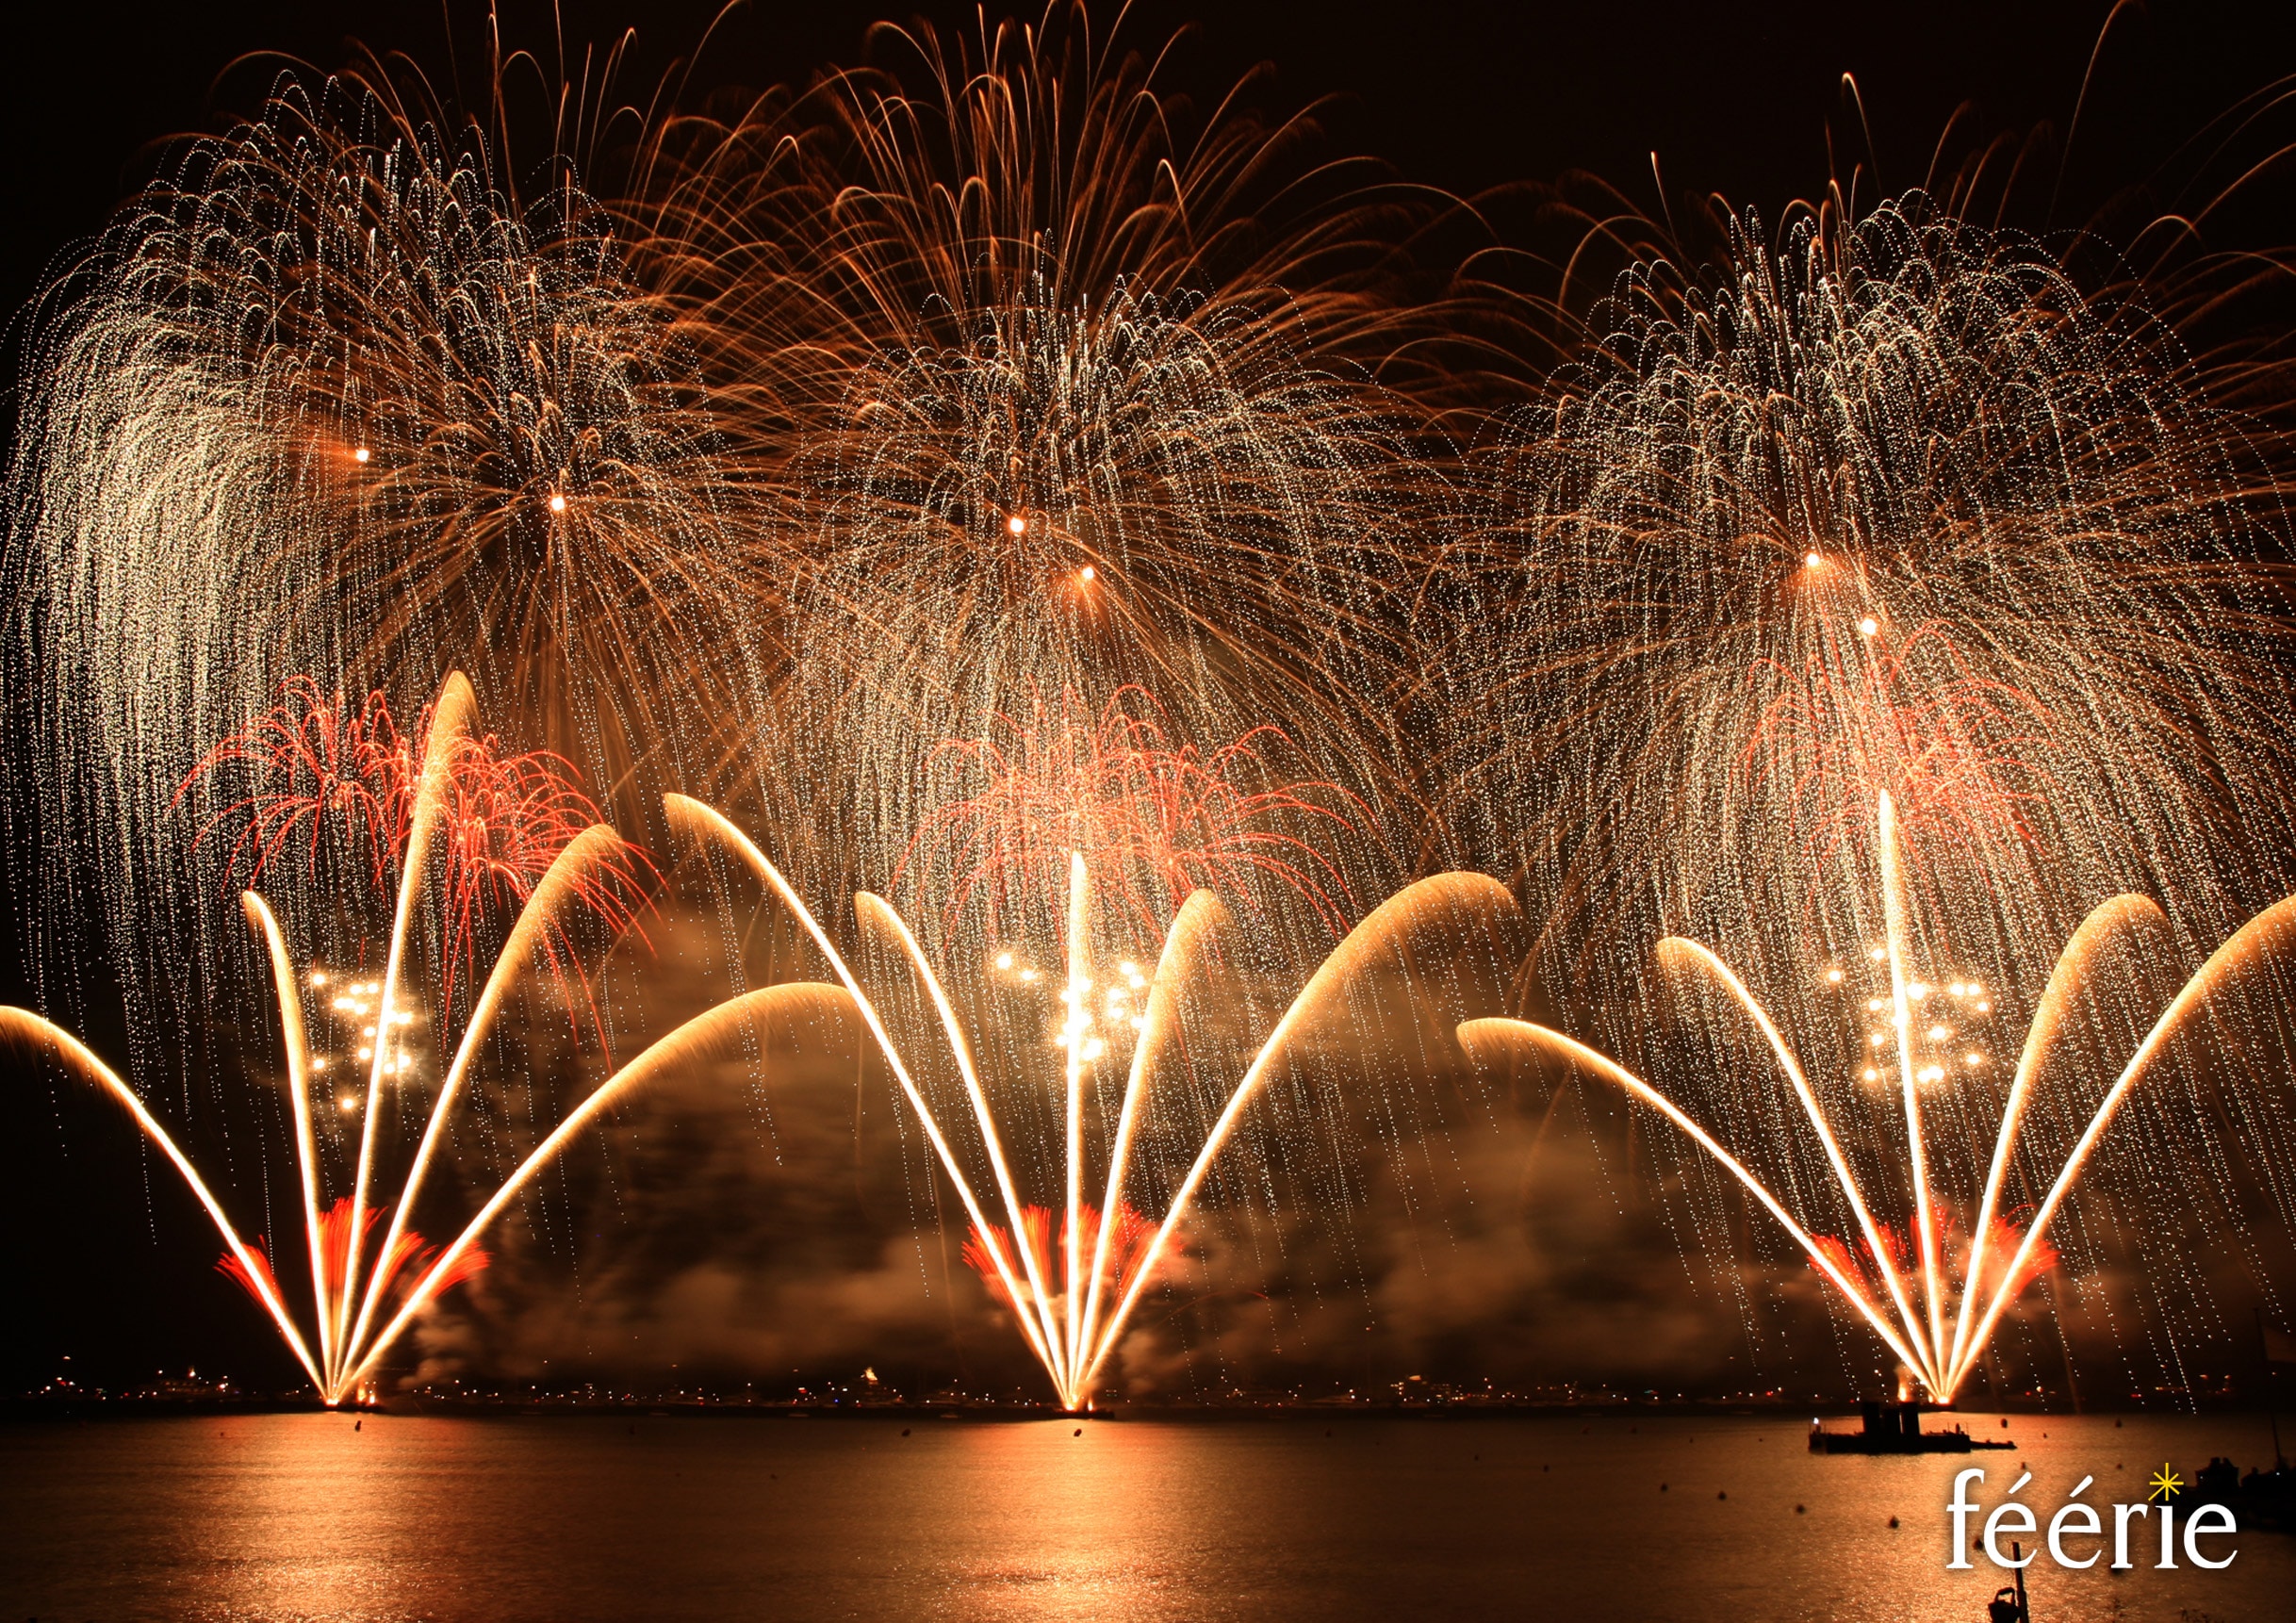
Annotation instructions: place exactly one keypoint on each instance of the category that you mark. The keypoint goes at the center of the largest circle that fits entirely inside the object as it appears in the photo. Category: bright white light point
(318, 1062)
(1029, 974)
(1004, 961)
(1139, 1023)
(1985, 1008)
(1874, 1040)
(558, 505)
(318, 977)
(1939, 1034)
(1974, 1059)
(366, 1053)
(1873, 1005)
(1975, 990)
(1834, 975)
(1085, 573)
(361, 455)
(1018, 525)
(1814, 560)
(1918, 990)
(1094, 1048)
(346, 1103)
(1127, 967)
(1872, 1074)
(1956, 989)
(1869, 626)
(1875, 954)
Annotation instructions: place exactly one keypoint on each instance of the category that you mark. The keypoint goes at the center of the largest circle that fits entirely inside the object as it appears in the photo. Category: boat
(1895, 1428)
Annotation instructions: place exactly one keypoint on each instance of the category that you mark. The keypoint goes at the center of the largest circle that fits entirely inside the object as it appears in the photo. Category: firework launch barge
(1895, 1428)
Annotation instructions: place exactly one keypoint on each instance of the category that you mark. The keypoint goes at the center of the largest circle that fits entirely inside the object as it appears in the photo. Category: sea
(316, 1518)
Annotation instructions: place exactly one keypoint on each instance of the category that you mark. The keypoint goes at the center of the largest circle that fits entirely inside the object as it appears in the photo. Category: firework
(1072, 1294)
(409, 810)
(1891, 507)
(1153, 821)
(1938, 1326)
(1041, 364)
(331, 398)
(312, 765)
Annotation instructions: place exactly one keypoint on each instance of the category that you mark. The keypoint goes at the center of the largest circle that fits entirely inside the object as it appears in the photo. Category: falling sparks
(2036, 621)
(1157, 821)
(1072, 1294)
(1099, 547)
(1936, 1325)
(363, 1295)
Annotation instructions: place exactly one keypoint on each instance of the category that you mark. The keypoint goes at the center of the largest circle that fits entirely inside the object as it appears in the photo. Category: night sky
(1464, 97)
(105, 1261)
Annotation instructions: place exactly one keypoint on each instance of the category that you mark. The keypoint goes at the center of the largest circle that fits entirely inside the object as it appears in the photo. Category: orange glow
(322, 766)
(1153, 822)
(1067, 1311)
(1935, 1312)
(989, 1252)
(1909, 719)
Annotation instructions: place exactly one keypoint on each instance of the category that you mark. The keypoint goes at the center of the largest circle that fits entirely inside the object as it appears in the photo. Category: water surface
(299, 1517)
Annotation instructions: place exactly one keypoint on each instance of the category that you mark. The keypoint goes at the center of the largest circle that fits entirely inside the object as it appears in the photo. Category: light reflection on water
(297, 1517)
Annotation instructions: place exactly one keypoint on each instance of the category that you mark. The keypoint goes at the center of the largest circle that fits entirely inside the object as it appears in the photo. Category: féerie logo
(2077, 1520)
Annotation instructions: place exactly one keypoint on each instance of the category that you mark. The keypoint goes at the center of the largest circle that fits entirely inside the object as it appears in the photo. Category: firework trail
(1889, 509)
(1071, 1295)
(1154, 822)
(492, 832)
(330, 397)
(1937, 1324)
(1892, 509)
(1062, 386)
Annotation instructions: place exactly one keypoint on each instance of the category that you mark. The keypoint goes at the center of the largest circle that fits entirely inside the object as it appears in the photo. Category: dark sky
(1461, 95)
(1465, 96)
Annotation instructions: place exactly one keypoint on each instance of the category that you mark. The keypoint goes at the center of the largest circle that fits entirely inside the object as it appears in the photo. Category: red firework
(318, 763)
(505, 820)
(1908, 719)
(408, 1258)
(1154, 822)
(1859, 1263)
(1127, 1249)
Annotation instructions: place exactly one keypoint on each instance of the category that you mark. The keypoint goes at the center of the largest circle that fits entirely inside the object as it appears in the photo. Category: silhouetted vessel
(1895, 1428)
(2260, 1498)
